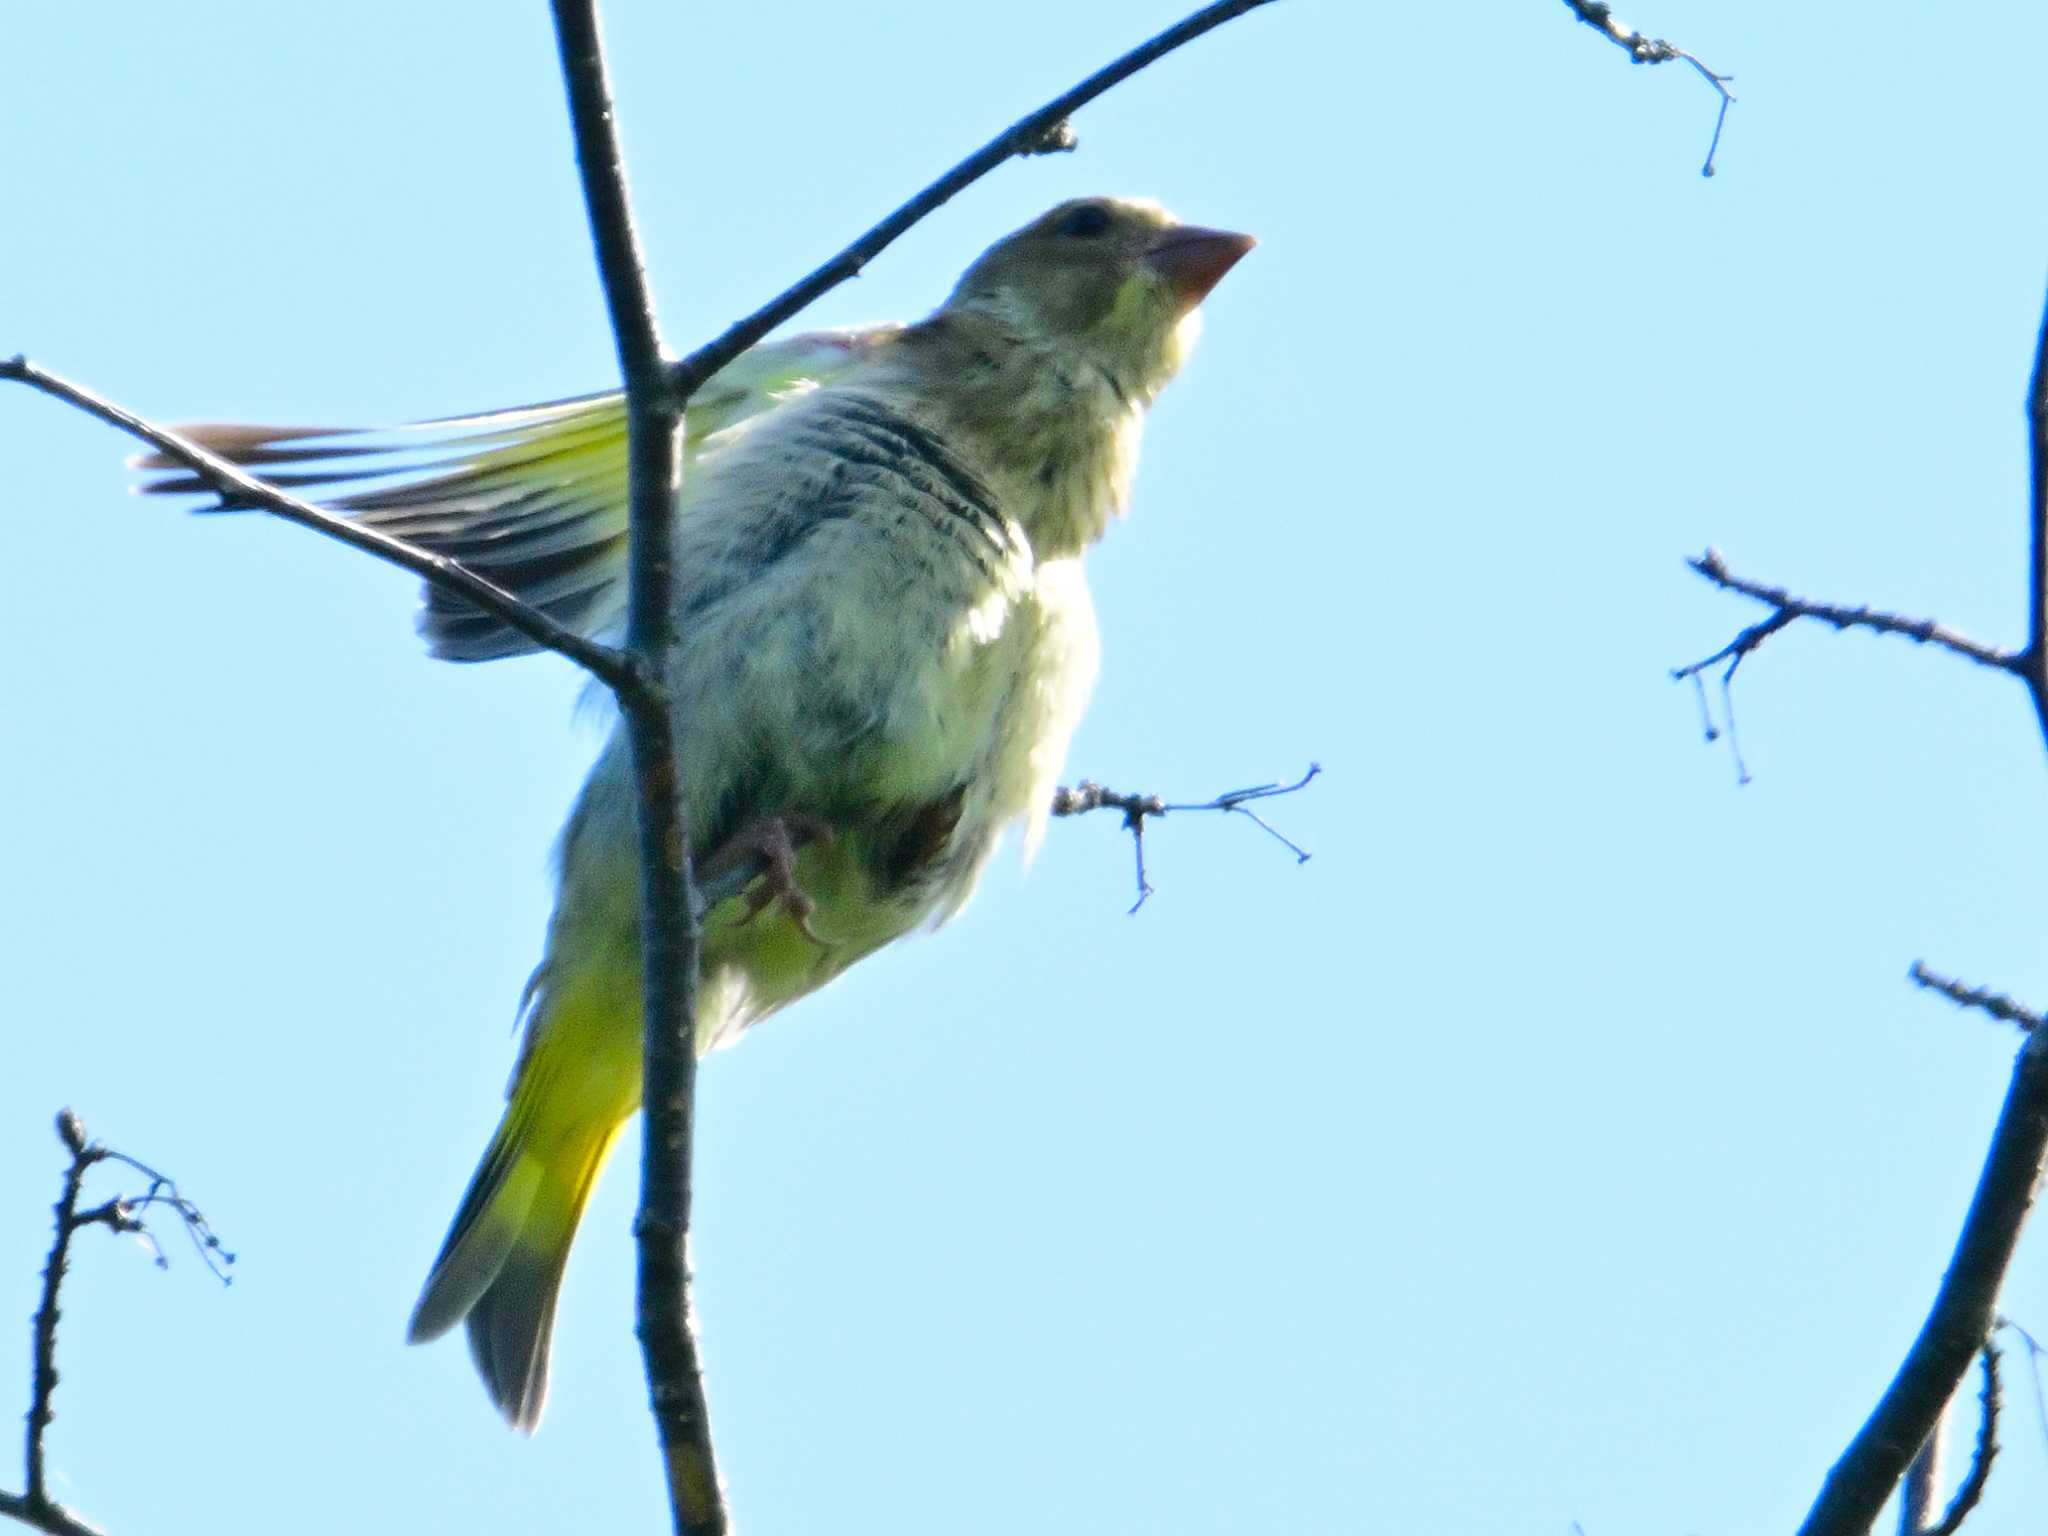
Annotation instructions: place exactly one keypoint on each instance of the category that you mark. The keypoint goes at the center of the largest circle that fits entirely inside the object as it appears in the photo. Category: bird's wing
(532, 498)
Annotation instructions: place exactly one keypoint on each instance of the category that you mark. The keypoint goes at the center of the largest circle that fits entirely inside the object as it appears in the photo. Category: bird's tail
(500, 1268)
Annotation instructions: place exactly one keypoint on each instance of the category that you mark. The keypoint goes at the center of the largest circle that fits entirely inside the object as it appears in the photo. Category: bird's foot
(774, 842)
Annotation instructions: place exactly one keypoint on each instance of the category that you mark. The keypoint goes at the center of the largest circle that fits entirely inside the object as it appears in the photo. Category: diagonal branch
(1963, 995)
(1787, 609)
(670, 933)
(1042, 132)
(231, 482)
(1964, 1311)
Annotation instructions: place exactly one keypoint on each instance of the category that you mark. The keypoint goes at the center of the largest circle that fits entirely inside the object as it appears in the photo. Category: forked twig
(1091, 796)
(33, 1506)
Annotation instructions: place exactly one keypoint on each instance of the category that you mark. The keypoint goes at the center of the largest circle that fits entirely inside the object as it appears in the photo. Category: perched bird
(887, 643)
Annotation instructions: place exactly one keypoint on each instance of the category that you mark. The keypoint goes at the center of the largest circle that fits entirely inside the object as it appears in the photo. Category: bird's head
(1115, 281)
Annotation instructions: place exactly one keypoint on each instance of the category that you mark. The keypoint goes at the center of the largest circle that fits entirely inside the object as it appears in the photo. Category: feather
(533, 497)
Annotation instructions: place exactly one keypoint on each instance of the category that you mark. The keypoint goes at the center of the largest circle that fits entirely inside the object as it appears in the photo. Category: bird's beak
(1193, 260)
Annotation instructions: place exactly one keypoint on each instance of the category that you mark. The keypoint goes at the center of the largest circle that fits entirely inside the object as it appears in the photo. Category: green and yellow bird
(887, 644)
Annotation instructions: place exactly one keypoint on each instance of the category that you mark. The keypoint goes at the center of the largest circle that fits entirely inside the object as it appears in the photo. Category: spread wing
(534, 497)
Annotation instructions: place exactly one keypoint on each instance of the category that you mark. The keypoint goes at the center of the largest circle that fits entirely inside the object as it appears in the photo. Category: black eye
(1086, 222)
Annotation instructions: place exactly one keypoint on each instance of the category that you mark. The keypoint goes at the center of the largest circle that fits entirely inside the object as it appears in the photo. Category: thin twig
(34, 1507)
(1971, 1489)
(233, 483)
(1962, 1316)
(1089, 796)
(1787, 610)
(670, 933)
(1997, 1004)
(1654, 50)
(1041, 132)
(2029, 665)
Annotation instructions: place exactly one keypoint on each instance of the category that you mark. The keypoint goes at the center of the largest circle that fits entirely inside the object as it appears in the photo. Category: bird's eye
(1086, 222)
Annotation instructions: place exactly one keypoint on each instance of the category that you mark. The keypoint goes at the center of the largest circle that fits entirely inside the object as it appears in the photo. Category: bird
(887, 643)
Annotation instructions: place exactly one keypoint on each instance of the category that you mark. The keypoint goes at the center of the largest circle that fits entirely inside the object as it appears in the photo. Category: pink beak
(1193, 260)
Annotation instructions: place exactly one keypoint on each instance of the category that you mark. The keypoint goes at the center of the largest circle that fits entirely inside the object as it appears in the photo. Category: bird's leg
(774, 841)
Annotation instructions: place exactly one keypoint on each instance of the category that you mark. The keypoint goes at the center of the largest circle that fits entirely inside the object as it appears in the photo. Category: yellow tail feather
(500, 1269)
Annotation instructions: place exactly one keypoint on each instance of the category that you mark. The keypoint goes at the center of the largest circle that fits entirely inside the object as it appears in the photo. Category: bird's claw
(775, 842)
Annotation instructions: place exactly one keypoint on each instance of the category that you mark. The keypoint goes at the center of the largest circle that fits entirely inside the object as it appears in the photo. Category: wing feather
(533, 497)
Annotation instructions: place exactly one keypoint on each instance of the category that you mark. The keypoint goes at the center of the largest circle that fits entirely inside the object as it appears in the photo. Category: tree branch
(34, 1507)
(1997, 1004)
(1971, 1489)
(1090, 796)
(670, 915)
(233, 483)
(1042, 132)
(1787, 610)
(1964, 1311)
(1654, 50)
(2030, 665)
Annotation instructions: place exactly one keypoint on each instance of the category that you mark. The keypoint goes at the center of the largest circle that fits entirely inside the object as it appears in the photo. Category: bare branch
(233, 483)
(1640, 49)
(1042, 132)
(1787, 610)
(34, 1507)
(1997, 1004)
(1971, 1489)
(1090, 796)
(2030, 665)
(1962, 1317)
(670, 935)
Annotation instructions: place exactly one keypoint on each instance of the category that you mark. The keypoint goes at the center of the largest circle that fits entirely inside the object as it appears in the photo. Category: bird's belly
(917, 808)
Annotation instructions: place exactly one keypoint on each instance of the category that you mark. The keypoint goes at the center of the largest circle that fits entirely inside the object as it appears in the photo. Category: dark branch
(1962, 1317)
(1787, 610)
(233, 483)
(34, 1507)
(1090, 796)
(1654, 50)
(1997, 1004)
(1971, 1489)
(669, 909)
(2032, 664)
(1042, 132)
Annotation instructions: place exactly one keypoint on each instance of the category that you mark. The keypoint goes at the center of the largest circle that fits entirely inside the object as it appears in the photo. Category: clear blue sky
(1561, 1144)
